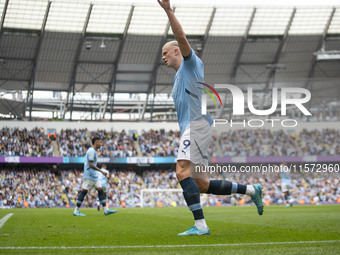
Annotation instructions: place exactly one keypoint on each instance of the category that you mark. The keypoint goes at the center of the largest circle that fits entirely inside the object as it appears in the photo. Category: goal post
(166, 196)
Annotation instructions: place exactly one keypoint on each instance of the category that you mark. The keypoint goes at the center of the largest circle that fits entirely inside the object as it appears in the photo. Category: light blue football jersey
(89, 173)
(102, 178)
(285, 175)
(186, 91)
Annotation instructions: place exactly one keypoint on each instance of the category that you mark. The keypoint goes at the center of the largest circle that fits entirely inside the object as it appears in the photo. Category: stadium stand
(71, 143)
(74, 143)
(32, 187)
(277, 143)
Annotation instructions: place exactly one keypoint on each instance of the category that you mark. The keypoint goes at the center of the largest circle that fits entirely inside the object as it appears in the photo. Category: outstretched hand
(165, 4)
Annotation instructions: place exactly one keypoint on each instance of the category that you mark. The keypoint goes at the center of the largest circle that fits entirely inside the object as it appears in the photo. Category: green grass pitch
(236, 230)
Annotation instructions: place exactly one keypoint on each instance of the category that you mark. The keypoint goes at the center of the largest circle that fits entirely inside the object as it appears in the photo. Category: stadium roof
(112, 48)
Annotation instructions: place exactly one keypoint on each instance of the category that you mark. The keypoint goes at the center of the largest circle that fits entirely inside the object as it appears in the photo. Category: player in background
(196, 131)
(90, 178)
(286, 184)
(103, 180)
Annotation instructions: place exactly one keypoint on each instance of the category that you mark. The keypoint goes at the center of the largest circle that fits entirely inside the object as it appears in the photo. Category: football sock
(102, 197)
(223, 187)
(287, 197)
(80, 198)
(250, 190)
(201, 224)
(191, 195)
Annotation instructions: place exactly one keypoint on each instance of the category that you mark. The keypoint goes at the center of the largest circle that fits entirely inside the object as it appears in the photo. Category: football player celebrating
(195, 128)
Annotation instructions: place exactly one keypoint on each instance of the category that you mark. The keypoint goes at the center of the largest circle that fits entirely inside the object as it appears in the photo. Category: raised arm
(176, 27)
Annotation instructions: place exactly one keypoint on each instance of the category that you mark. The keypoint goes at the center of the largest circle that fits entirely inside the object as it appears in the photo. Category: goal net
(162, 198)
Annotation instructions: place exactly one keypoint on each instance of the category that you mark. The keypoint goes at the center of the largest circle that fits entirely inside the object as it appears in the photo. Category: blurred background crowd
(260, 142)
(48, 188)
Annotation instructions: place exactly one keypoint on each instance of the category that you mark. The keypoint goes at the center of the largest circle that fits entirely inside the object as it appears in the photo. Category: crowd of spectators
(23, 142)
(159, 143)
(47, 188)
(74, 143)
(324, 142)
(263, 142)
(69, 142)
(259, 142)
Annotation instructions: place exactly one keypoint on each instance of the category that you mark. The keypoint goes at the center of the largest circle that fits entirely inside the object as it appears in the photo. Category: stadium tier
(35, 187)
(159, 143)
(48, 186)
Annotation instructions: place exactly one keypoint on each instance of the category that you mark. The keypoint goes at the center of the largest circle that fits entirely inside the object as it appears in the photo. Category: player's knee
(202, 184)
(183, 164)
(182, 169)
(180, 175)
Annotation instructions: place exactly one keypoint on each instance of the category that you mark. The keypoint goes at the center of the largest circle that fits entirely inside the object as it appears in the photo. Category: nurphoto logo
(239, 104)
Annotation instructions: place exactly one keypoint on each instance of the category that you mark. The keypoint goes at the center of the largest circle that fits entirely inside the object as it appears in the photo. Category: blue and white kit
(195, 128)
(103, 179)
(285, 179)
(90, 177)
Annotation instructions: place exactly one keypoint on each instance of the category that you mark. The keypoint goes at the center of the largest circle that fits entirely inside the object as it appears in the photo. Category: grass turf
(159, 226)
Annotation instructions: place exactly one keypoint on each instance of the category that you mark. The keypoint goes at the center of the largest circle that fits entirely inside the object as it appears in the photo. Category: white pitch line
(4, 219)
(164, 246)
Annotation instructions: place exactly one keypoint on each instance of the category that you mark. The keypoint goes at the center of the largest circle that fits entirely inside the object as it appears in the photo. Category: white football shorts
(285, 186)
(89, 184)
(195, 142)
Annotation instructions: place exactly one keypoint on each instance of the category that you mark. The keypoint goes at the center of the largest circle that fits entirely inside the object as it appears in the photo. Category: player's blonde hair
(173, 43)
